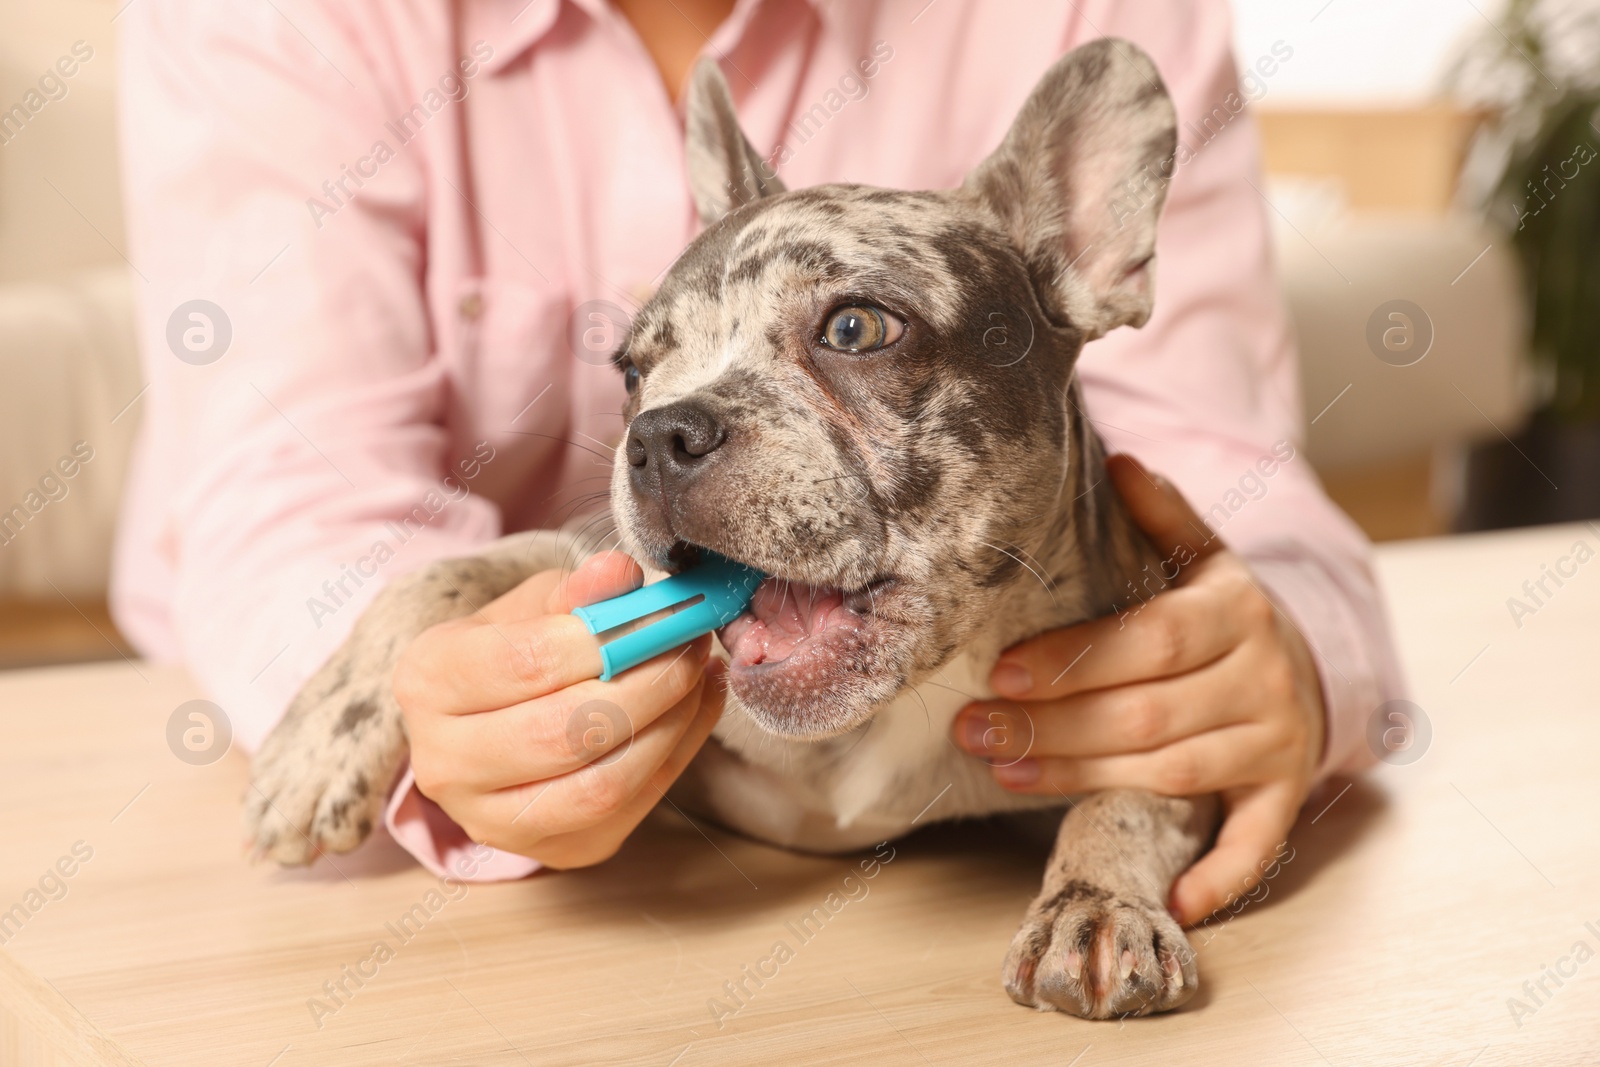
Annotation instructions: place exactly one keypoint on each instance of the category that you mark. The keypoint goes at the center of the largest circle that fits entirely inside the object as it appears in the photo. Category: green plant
(1536, 168)
(1553, 187)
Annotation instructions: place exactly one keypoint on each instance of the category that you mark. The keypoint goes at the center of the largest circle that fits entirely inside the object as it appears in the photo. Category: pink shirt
(400, 204)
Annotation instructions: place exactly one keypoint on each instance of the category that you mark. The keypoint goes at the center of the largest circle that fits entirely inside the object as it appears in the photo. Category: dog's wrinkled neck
(1087, 557)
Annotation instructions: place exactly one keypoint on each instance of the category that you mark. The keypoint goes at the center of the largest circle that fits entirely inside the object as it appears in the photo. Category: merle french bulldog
(869, 395)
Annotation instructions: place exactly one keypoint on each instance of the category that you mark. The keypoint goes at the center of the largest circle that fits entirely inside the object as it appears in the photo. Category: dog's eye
(861, 329)
(630, 378)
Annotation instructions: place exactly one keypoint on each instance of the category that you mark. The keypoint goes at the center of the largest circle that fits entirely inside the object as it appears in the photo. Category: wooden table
(1418, 903)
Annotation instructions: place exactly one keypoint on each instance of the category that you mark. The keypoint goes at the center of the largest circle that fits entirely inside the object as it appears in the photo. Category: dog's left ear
(724, 171)
(1079, 181)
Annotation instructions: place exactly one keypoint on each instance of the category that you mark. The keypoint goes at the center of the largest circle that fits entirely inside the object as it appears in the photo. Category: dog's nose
(673, 440)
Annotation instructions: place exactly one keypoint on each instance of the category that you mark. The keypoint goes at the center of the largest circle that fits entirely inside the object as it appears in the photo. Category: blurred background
(1432, 178)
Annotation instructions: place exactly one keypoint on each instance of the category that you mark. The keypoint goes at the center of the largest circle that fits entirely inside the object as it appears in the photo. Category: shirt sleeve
(1208, 392)
(291, 433)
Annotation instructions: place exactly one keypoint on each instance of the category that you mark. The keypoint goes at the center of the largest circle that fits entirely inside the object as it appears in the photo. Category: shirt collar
(511, 27)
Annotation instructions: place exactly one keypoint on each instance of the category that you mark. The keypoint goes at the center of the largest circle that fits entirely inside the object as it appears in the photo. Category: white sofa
(67, 359)
(1471, 384)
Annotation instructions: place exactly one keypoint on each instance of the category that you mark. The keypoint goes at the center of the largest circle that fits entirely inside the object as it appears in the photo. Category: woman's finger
(462, 670)
(557, 592)
(1159, 510)
(600, 577)
(1207, 763)
(1256, 827)
(561, 731)
(1178, 631)
(1105, 722)
(580, 799)
(599, 843)
(521, 646)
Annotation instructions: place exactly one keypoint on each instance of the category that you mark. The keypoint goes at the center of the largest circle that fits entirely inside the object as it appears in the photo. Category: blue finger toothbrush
(713, 592)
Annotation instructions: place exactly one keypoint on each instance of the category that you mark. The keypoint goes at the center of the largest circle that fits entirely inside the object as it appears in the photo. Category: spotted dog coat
(945, 488)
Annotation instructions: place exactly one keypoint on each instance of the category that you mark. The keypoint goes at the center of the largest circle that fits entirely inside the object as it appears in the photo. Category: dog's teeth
(1127, 963)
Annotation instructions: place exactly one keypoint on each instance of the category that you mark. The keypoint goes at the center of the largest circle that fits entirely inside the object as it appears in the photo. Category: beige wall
(71, 143)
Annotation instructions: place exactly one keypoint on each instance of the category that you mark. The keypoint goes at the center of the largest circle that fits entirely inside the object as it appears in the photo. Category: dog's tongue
(784, 619)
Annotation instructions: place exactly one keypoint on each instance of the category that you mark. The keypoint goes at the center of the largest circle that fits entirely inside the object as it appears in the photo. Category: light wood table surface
(1418, 902)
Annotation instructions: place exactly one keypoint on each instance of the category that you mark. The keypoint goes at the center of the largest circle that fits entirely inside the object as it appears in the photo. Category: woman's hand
(514, 736)
(1203, 688)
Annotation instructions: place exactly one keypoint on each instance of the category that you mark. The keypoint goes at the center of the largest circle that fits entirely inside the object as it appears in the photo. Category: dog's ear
(724, 171)
(1079, 181)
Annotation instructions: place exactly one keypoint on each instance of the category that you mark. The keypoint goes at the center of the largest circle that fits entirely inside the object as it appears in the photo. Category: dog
(868, 395)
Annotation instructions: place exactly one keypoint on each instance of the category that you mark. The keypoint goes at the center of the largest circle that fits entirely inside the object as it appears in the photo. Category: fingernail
(974, 733)
(1022, 772)
(1012, 680)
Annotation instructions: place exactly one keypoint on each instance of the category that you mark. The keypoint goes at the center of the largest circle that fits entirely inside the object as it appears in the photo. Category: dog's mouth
(800, 648)
(792, 625)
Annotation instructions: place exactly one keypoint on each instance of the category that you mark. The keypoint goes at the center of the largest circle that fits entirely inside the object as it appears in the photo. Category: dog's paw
(321, 779)
(1097, 954)
(320, 782)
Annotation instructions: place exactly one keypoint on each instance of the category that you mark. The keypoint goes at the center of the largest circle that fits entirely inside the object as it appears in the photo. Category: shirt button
(471, 306)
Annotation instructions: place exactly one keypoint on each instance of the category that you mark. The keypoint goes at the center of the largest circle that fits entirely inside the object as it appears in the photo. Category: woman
(414, 231)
